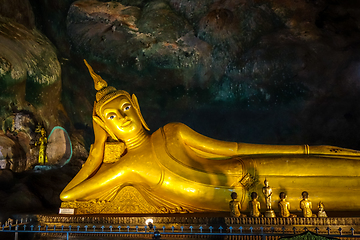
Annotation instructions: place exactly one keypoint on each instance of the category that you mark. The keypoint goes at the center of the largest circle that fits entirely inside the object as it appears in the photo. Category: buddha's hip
(212, 194)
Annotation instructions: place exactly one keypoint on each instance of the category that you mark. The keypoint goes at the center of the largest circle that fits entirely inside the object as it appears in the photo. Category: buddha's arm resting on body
(94, 160)
(104, 181)
(89, 180)
(212, 146)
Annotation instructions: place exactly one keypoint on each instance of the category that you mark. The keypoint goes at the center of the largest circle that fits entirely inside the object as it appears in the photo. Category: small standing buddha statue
(284, 206)
(42, 143)
(267, 191)
(254, 205)
(306, 205)
(235, 206)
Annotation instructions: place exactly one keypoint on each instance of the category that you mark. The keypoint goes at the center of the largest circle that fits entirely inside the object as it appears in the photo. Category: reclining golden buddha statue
(176, 169)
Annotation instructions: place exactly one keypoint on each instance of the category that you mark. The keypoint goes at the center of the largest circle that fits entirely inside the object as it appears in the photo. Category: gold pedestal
(270, 213)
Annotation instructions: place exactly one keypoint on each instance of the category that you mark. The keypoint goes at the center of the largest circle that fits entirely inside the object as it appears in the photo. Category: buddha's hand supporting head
(100, 132)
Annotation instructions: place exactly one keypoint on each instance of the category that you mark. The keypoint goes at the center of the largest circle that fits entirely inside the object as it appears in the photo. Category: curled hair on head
(254, 195)
(305, 194)
(282, 195)
(233, 195)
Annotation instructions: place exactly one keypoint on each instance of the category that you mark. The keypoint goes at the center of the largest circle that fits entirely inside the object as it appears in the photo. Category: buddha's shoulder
(172, 129)
(175, 125)
(169, 133)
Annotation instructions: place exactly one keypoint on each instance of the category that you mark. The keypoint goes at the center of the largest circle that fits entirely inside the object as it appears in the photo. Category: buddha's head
(266, 183)
(254, 195)
(233, 195)
(115, 111)
(282, 195)
(305, 195)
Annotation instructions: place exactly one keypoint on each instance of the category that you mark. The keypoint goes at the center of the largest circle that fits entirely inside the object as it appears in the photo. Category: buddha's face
(121, 118)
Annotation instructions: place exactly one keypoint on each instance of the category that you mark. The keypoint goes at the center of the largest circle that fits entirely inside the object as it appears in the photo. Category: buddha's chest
(142, 162)
(139, 159)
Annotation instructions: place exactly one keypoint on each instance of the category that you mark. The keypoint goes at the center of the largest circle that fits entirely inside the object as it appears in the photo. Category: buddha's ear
(137, 107)
(103, 126)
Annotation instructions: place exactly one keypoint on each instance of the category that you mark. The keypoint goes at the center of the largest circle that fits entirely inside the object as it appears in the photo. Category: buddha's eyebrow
(124, 103)
(109, 110)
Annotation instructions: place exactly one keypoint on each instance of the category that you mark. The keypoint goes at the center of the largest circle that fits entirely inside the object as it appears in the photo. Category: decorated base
(270, 213)
(128, 200)
(205, 221)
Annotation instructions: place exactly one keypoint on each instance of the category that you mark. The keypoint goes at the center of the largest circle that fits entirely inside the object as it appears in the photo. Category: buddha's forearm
(253, 149)
(90, 166)
(101, 183)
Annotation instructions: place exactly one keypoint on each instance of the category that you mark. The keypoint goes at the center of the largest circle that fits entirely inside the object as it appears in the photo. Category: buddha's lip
(125, 124)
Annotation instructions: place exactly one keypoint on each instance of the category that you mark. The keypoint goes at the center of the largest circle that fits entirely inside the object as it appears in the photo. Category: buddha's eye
(127, 108)
(111, 117)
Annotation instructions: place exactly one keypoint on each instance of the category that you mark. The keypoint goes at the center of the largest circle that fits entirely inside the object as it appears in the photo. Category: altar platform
(204, 225)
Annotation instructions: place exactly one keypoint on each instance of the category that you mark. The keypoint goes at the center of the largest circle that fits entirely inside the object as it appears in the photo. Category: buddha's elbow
(66, 196)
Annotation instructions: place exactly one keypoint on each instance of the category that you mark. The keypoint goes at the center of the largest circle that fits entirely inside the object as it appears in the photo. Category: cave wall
(278, 72)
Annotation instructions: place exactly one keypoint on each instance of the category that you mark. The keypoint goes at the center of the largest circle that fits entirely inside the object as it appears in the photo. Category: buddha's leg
(334, 181)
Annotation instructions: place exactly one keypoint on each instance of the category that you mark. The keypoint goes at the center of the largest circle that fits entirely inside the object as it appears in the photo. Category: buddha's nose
(124, 118)
(122, 114)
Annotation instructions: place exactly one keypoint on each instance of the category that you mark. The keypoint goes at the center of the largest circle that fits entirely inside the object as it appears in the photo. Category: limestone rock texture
(256, 71)
(275, 71)
(59, 149)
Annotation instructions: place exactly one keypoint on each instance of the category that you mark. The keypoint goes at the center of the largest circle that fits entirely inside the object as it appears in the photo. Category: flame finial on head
(98, 81)
(100, 84)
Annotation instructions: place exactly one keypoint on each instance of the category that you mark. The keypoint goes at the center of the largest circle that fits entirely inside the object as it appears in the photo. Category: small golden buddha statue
(235, 206)
(321, 212)
(284, 206)
(42, 143)
(306, 205)
(176, 169)
(267, 191)
(254, 205)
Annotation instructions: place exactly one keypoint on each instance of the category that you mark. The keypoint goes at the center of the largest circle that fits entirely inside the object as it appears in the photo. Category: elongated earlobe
(137, 107)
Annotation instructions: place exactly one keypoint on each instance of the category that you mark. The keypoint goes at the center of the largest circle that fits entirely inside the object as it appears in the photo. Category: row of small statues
(284, 206)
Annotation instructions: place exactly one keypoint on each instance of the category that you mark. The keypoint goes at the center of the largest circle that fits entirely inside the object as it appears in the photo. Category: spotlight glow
(149, 220)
